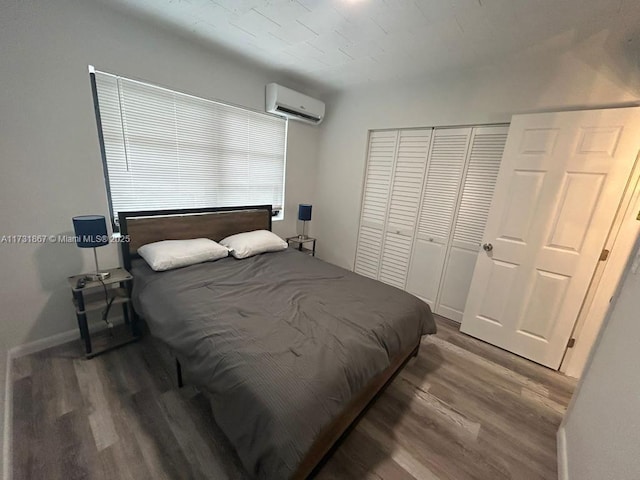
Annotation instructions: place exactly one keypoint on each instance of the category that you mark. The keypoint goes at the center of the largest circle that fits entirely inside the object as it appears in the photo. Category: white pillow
(243, 245)
(169, 254)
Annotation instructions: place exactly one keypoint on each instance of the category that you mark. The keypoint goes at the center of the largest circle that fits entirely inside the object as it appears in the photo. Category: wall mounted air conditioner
(294, 105)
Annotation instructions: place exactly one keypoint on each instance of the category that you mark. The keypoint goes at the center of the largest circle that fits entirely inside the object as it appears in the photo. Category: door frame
(606, 278)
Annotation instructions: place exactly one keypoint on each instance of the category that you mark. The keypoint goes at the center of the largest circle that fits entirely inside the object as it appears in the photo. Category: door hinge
(571, 343)
(604, 255)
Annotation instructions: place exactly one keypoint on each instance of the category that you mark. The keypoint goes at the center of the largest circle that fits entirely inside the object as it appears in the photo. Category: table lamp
(304, 214)
(91, 232)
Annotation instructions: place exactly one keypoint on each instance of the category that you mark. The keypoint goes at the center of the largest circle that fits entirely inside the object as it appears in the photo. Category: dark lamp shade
(304, 212)
(91, 231)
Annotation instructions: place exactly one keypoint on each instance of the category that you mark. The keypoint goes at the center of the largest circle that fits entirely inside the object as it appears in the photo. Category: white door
(560, 184)
(478, 183)
(377, 183)
(406, 187)
(439, 199)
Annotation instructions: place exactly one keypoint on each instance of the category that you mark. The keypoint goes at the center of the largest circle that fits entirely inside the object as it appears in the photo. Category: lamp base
(303, 237)
(96, 277)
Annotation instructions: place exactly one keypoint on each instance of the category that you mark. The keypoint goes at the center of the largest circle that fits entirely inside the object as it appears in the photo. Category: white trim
(563, 463)
(43, 344)
(8, 411)
(563, 466)
(620, 242)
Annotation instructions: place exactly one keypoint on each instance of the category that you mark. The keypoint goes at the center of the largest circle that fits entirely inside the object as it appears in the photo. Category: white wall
(602, 426)
(590, 74)
(51, 167)
(3, 370)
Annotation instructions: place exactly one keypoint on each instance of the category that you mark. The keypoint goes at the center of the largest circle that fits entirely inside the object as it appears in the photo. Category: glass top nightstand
(93, 296)
(298, 242)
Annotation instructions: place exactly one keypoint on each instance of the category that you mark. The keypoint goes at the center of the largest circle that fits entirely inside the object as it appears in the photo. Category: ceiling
(337, 44)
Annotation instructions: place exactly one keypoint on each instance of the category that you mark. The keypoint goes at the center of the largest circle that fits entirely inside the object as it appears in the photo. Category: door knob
(487, 247)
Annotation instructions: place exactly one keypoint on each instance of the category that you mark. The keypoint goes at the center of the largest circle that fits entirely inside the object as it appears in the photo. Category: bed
(289, 350)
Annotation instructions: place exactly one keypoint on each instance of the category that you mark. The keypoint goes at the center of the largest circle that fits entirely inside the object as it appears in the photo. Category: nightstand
(91, 298)
(297, 242)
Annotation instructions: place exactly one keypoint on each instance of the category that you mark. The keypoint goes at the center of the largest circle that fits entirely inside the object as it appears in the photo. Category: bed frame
(147, 226)
(142, 227)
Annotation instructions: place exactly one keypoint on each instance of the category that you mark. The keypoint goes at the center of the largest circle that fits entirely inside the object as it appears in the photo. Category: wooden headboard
(143, 227)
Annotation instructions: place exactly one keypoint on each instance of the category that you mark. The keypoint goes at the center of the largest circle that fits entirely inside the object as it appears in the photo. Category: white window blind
(165, 149)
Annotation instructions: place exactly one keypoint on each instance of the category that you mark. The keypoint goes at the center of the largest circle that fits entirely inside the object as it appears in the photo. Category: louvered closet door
(375, 202)
(406, 187)
(441, 189)
(483, 164)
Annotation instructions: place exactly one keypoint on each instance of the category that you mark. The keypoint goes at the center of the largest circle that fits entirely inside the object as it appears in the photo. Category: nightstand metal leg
(132, 318)
(125, 306)
(179, 373)
(134, 321)
(82, 322)
(84, 332)
(125, 313)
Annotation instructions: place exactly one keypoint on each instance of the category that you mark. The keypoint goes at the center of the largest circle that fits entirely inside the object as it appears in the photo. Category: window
(164, 149)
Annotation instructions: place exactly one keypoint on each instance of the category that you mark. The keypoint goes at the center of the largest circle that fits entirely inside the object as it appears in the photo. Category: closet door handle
(487, 247)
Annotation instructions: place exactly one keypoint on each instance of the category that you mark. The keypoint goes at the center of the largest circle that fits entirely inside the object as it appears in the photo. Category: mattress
(279, 343)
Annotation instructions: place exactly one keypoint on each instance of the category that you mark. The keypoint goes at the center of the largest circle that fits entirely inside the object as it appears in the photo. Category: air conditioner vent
(298, 113)
(294, 105)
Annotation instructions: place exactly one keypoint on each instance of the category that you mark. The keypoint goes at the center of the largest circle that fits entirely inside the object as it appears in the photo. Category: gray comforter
(279, 342)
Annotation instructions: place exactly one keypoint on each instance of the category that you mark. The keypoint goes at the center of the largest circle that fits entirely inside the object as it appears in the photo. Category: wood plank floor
(461, 410)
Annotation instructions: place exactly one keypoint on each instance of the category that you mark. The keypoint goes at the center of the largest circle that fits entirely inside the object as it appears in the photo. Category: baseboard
(8, 411)
(57, 339)
(450, 313)
(563, 467)
(43, 344)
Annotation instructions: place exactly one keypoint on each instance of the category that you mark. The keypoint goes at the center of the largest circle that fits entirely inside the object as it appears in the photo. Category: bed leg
(179, 373)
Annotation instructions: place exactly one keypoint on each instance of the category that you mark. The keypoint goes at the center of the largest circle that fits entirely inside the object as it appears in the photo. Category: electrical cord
(108, 302)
